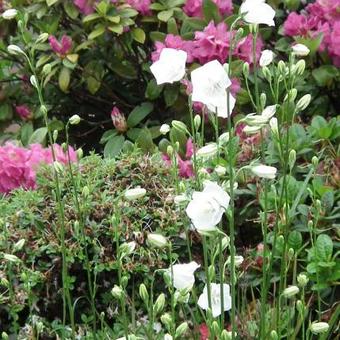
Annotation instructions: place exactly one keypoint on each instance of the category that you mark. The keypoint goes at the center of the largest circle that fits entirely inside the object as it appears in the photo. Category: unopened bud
(215, 327)
(86, 191)
(303, 102)
(290, 253)
(273, 335)
(34, 81)
(117, 292)
(197, 122)
(319, 327)
(159, 304)
(281, 67)
(292, 159)
(315, 161)
(164, 129)
(300, 67)
(180, 126)
(15, 50)
(80, 153)
(4, 336)
(302, 280)
(299, 307)
(291, 95)
(181, 329)
(42, 38)
(166, 320)
(157, 240)
(18, 245)
(58, 167)
(47, 69)
(170, 150)
(263, 99)
(74, 120)
(246, 69)
(266, 73)
(9, 14)
(143, 293)
(290, 291)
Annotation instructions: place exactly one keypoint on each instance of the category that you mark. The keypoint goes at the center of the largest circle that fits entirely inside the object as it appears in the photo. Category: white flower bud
(42, 38)
(166, 320)
(117, 292)
(159, 304)
(134, 194)
(47, 68)
(266, 73)
(197, 122)
(249, 130)
(292, 159)
(34, 81)
(58, 167)
(18, 245)
(11, 258)
(143, 293)
(9, 14)
(180, 126)
(300, 50)
(266, 58)
(179, 199)
(273, 123)
(281, 67)
(290, 291)
(207, 151)
(74, 120)
(15, 50)
(157, 240)
(303, 102)
(299, 68)
(315, 161)
(220, 170)
(164, 129)
(273, 335)
(224, 138)
(264, 171)
(319, 327)
(181, 329)
(246, 69)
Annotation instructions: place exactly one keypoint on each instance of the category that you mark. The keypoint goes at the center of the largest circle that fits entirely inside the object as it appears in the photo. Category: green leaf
(138, 114)
(91, 17)
(172, 26)
(38, 136)
(134, 133)
(165, 15)
(170, 94)
(116, 29)
(325, 74)
(210, 11)
(157, 36)
(107, 135)
(71, 10)
(64, 78)
(295, 240)
(97, 32)
(113, 146)
(51, 2)
(153, 90)
(144, 141)
(139, 35)
(324, 248)
(26, 132)
(6, 112)
(327, 200)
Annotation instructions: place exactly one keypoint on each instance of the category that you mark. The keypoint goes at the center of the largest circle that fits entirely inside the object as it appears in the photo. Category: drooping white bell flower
(170, 67)
(215, 290)
(264, 171)
(9, 14)
(266, 58)
(258, 12)
(207, 207)
(134, 194)
(300, 50)
(207, 151)
(257, 120)
(184, 274)
(209, 85)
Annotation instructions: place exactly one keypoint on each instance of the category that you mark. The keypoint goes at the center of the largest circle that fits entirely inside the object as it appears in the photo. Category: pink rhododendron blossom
(235, 86)
(244, 49)
(320, 18)
(142, 6)
(175, 42)
(118, 120)
(18, 165)
(185, 168)
(212, 43)
(194, 8)
(23, 111)
(85, 6)
(63, 47)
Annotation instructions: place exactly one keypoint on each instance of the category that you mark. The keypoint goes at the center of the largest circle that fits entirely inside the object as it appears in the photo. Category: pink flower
(176, 42)
(23, 111)
(212, 43)
(142, 6)
(244, 49)
(235, 87)
(63, 47)
(299, 25)
(18, 165)
(334, 44)
(85, 6)
(194, 8)
(185, 168)
(118, 120)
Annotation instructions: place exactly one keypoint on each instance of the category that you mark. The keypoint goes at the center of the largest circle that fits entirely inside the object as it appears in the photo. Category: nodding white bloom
(184, 275)
(170, 67)
(157, 240)
(266, 58)
(207, 207)
(209, 85)
(254, 120)
(220, 170)
(264, 171)
(134, 194)
(164, 129)
(15, 50)
(319, 327)
(9, 14)
(274, 126)
(207, 151)
(215, 290)
(300, 50)
(258, 12)
(74, 120)
(290, 291)
(238, 260)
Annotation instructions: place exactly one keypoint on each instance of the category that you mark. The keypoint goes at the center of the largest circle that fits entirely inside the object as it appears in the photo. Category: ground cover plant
(169, 169)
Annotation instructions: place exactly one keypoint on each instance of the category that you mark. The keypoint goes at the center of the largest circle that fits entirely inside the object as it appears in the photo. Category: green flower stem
(119, 266)
(172, 293)
(193, 132)
(67, 301)
(206, 268)
(90, 283)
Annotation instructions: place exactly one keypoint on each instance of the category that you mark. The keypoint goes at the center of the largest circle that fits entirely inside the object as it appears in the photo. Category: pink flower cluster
(63, 47)
(18, 165)
(184, 165)
(23, 111)
(87, 6)
(194, 8)
(212, 43)
(320, 17)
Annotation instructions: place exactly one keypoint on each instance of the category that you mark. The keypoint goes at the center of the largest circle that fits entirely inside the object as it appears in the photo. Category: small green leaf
(139, 35)
(295, 240)
(324, 75)
(97, 32)
(51, 2)
(26, 133)
(71, 10)
(91, 17)
(165, 15)
(107, 135)
(211, 11)
(153, 90)
(138, 114)
(324, 248)
(113, 146)
(170, 94)
(144, 141)
(38, 136)
(172, 26)
(116, 29)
